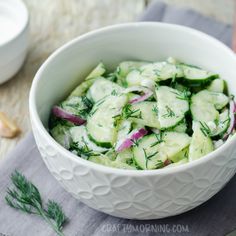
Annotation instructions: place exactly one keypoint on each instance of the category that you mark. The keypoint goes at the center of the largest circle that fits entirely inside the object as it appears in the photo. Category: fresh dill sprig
(169, 112)
(160, 164)
(114, 92)
(129, 113)
(155, 110)
(148, 157)
(83, 150)
(182, 95)
(26, 198)
(159, 139)
(205, 129)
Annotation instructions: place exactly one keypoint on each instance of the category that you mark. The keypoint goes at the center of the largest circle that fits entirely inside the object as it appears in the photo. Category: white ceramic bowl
(14, 29)
(129, 193)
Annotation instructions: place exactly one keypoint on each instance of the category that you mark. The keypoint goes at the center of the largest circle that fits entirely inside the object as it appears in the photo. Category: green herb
(148, 157)
(226, 120)
(83, 151)
(114, 92)
(112, 77)
(160, 164)
(135, 142)
(26, 197)
(169, 113)
(129, 113)
(155, 109)
(159, 139)
(182, 95)
(205, 129)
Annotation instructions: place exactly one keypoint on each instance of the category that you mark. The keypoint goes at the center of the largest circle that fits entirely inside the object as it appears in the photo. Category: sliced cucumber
(61, 134)
(79, 135)
(204, 105)
(153, 150)
(126, 66)
(171, 106)
(104, 160)
(82, 88)
(144, 113)
(79, 106)
(200, 144)
(183, 154)
(125, 156)
(160, 71)
(194, 76)
(222, 124)
(217, 85)
(102, 88)
(101, 122)
(181, 127)
(98, 71)
(134, 78)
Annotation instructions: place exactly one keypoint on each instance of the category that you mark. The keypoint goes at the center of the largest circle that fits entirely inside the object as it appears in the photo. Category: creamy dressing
(8, 28)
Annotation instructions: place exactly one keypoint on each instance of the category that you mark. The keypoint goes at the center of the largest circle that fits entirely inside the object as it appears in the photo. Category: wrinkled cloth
(216, 217)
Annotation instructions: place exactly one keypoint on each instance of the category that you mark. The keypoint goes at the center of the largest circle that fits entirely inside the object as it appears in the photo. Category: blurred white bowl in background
(14, 29)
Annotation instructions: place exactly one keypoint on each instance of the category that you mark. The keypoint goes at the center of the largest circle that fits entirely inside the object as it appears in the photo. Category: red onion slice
(232, 110)
(146, 93)
(141, 98)
(61, 113)
(128, 142)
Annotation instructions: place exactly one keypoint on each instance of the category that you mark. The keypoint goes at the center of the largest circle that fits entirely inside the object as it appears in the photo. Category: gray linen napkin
(216, 217)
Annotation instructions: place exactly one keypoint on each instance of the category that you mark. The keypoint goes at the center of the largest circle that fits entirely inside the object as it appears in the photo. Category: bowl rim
(23, 27)
(126, 172)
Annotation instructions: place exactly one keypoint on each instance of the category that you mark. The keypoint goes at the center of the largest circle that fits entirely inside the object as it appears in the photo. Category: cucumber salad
(145, 115)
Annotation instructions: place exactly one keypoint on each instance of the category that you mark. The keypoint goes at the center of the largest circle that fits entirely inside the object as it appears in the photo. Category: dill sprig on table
(26, 198)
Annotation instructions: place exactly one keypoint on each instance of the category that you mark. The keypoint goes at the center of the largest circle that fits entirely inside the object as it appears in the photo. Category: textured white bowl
(14, 48)
(129, 193)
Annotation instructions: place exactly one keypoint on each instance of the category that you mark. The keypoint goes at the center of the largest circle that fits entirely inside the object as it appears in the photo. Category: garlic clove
(8, 129)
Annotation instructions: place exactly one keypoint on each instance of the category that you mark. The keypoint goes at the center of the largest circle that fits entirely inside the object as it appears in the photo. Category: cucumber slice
(223, 124)
(204, 105)
(180, 128)
(124, 129)
(104, 160)
(194, 76)
(171, 105)
(183, 154)
(160, 71)
(98, 71)
(153, 72)
(125, 156)
(126, 66)
(79, 135)
(102, 88)
(153, 150)
(217, 85)
(134, 78)
(101, 122)
(79, 106)
(61, 134)
(144, 113)
(200, 144)
(82, 88)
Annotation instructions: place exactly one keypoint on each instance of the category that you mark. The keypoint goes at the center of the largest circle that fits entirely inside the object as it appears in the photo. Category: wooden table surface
(54, 22)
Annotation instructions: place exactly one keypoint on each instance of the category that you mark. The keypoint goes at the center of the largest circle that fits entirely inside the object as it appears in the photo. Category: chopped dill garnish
(148, 157)
(182, 95)
(169, 113)
(159, 139)
(205, 129)
(129, 113)
(155, 110)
